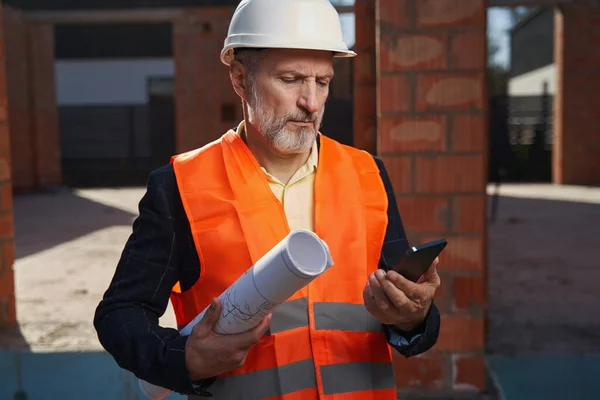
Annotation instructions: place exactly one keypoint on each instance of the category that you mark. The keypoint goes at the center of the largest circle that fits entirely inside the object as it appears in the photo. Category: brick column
(206, 104)
(7, 285)
(365, 91)
(576, 117)
(33, 110)
(432, 136)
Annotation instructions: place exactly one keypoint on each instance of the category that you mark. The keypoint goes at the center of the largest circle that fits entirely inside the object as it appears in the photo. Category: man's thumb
(211, 316)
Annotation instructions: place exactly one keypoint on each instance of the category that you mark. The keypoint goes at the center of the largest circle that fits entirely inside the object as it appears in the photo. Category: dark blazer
(160, 252)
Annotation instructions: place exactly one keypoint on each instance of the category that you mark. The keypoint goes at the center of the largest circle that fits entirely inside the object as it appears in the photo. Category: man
(213, 212)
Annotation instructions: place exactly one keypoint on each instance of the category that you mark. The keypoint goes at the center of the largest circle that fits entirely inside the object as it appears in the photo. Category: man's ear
(237, 74)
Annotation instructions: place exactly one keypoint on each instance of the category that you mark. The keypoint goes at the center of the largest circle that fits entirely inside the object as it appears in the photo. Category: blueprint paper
(288, 267)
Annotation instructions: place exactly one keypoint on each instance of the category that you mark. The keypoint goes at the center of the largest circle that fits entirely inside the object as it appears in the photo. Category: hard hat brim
(227, 54)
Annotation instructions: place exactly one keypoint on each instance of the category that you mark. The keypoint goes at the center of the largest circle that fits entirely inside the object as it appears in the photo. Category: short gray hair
(250, 58)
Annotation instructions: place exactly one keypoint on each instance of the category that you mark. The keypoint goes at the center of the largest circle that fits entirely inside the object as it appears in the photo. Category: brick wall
(207, 105)
(365, 90)
(33, 113)
(576, 117)
(7, 288)
(431, 134)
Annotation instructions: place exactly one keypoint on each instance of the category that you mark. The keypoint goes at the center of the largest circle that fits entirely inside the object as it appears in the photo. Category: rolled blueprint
(288, 267)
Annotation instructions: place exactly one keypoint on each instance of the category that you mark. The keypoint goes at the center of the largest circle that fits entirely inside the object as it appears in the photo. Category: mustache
(302, 115)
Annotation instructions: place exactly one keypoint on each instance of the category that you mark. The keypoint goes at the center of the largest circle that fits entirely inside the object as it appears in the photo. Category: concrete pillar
(7, 252)
(576, 117)
(432, 136)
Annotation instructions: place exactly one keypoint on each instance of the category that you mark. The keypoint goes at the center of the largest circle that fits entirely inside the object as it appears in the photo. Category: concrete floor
(544, 271)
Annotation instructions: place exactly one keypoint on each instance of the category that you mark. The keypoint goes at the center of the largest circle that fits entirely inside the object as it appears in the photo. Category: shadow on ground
(543, 276)
(46, 220)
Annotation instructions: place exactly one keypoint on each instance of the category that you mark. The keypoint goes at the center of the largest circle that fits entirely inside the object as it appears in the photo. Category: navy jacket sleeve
(127, 318)
(394, 246)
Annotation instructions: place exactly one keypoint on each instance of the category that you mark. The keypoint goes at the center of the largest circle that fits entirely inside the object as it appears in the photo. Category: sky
(498, 26)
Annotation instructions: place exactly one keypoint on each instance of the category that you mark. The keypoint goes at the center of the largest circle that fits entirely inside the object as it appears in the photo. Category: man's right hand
(209, 354)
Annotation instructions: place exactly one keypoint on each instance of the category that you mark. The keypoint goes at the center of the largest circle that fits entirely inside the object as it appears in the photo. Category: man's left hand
(394, 300)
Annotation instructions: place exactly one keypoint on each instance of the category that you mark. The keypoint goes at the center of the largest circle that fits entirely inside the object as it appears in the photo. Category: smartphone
(417, 259)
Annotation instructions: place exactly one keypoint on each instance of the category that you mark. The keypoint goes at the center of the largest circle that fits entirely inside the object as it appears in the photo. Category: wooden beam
(106, 16)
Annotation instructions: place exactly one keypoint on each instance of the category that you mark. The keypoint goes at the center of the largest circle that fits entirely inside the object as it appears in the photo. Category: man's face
(287, 100)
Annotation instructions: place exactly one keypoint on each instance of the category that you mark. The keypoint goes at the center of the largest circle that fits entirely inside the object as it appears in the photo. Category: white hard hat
(286, 24)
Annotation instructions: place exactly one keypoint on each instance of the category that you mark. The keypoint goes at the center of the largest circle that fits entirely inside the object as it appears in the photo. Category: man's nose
(308, 97)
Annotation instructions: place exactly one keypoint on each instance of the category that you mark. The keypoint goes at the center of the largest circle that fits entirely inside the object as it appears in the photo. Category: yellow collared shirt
(297, 196)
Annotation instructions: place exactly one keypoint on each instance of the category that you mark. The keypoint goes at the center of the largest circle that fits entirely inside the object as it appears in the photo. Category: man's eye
(289, 80)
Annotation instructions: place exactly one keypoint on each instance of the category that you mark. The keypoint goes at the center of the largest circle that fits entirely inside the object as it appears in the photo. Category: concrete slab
(67, 248)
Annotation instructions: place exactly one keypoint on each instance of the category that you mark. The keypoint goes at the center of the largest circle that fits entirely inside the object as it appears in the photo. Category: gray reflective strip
(270, 382)
(345, 317)
(357, 376)
(289, 315)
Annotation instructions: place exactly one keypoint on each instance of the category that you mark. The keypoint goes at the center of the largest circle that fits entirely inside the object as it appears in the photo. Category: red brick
(394, 93)
(365, 133)
(6, 197)
(365, 104)
(6, 226)
(424, 214)
(4, 169)
(460, 333)
(3, 109)
(423, 371)
(469, 214)
(463, 253)
(8, 310)
(450, 174)
(4, 140)
(468, 292)
(393, 14)
(8, 252)
(413, 52)
(467, 49)
(411, 134)
(400, 171)
(459, 13)
(469, 372)
(364, 67)
(450, 91)
(2, 72)
(469, 133)
(576, 148)
(442, 297)
(7, 283)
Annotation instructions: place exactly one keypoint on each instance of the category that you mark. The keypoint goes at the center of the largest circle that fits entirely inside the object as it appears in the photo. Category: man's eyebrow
(297, 74)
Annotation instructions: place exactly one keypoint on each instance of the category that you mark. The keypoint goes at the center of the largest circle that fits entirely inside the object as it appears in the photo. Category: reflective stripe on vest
(333, 316)
(322, 342)
(286, 379)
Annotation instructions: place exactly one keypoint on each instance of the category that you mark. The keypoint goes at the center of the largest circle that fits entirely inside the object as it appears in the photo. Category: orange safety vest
(322, 342)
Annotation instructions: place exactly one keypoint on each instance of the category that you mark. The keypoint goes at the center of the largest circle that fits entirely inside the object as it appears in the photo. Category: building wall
(108, 81)
(532, 42)
(7, 252)
(532, 83)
